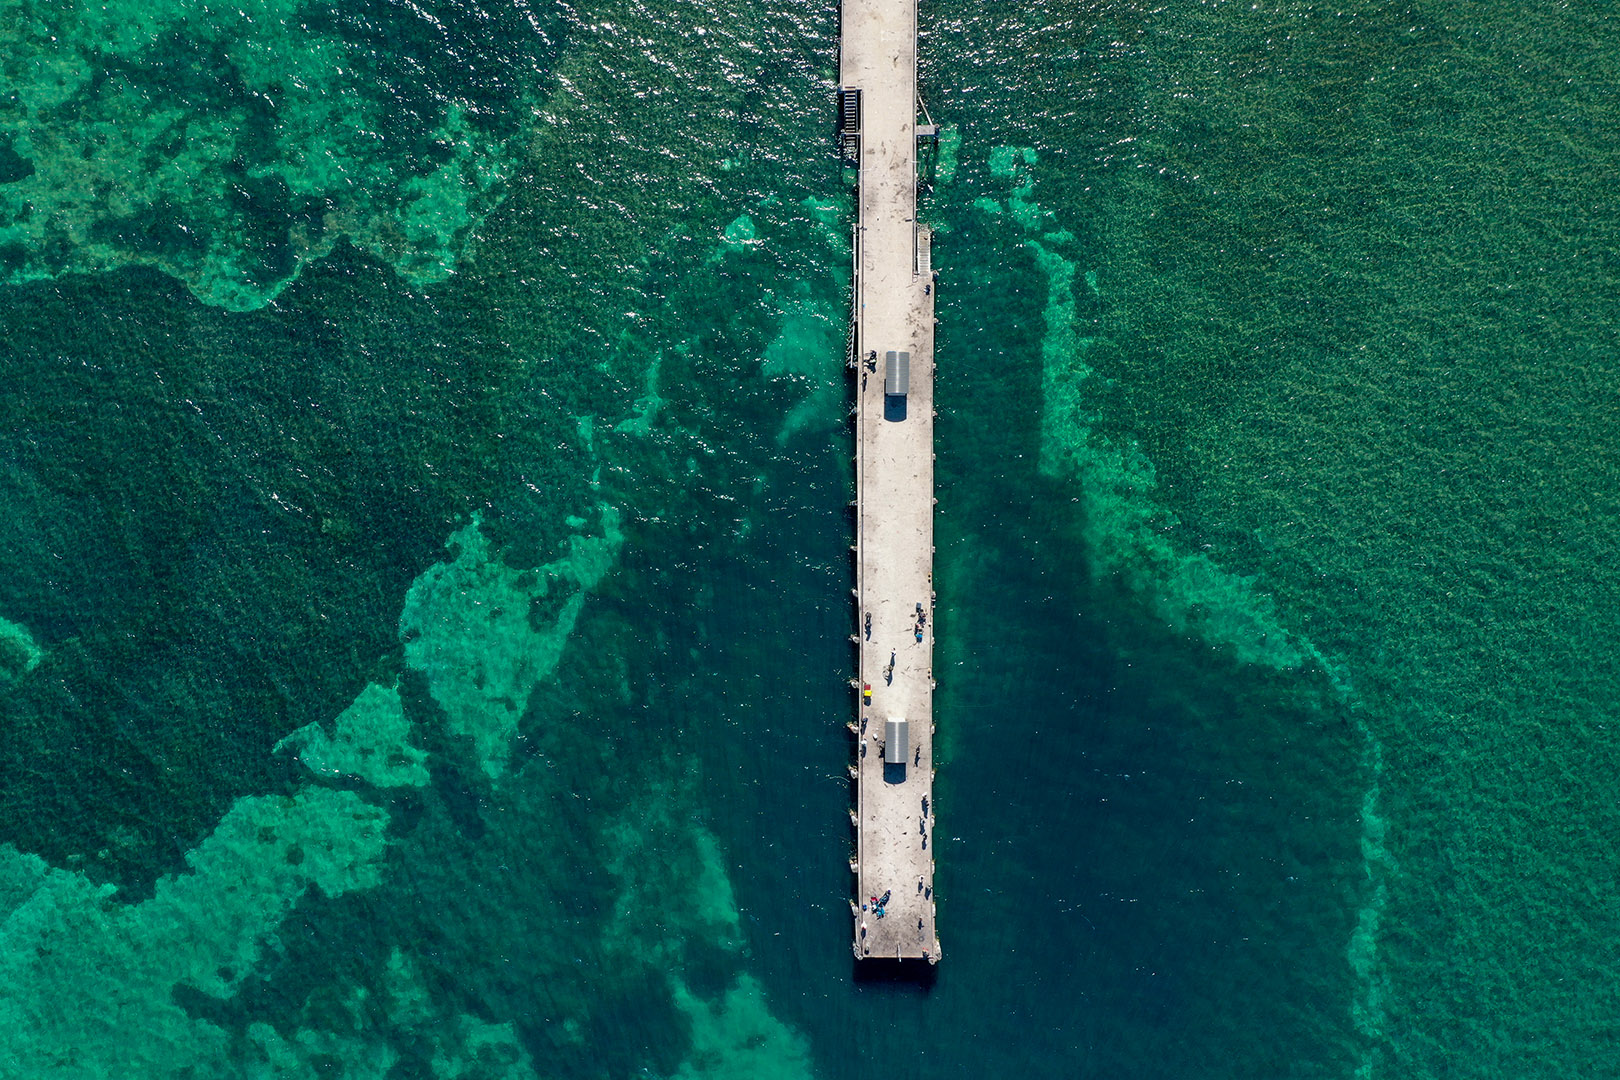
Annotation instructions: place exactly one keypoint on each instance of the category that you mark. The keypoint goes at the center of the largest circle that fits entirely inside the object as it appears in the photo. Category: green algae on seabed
(686, 883)
(459, 1044)
(485, 634)
(370, 1028)
(308, 1050)
(736, 1037)
(1130, 534)
(807, 348)
(19, 652)
(666, 863)
(741, 231)
(647, 407)
(950, 152)
(229, 152)
(107, 967)
(87, 985)
(343, 1016)
(1127, 532)
(660, 859)
(371, 740)
(829, 219)
(1368, 1012)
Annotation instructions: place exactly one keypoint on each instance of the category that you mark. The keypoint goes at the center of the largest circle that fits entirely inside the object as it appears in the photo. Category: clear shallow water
(1275, 483)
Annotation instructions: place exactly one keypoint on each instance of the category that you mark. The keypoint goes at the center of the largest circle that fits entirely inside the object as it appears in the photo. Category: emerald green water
(423, 543)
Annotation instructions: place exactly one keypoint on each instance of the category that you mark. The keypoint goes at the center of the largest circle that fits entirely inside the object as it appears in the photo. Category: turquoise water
(423, 543)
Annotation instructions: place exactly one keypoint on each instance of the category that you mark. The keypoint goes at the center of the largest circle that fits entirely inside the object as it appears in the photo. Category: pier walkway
(893, 344)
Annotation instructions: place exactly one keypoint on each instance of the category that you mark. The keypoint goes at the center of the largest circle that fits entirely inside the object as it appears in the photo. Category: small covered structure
(895, 741)
(896, 384)
(896, 374)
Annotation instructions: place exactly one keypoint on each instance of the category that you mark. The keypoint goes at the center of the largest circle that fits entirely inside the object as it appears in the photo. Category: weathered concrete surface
(894, 311)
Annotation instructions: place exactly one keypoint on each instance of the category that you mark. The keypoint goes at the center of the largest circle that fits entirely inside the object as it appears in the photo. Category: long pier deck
(893, 315)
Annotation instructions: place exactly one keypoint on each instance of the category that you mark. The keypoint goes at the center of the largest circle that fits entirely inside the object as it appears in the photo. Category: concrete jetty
(892, 360)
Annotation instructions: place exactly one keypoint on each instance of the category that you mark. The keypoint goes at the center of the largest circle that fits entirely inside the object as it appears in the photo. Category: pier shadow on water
(897, 975)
